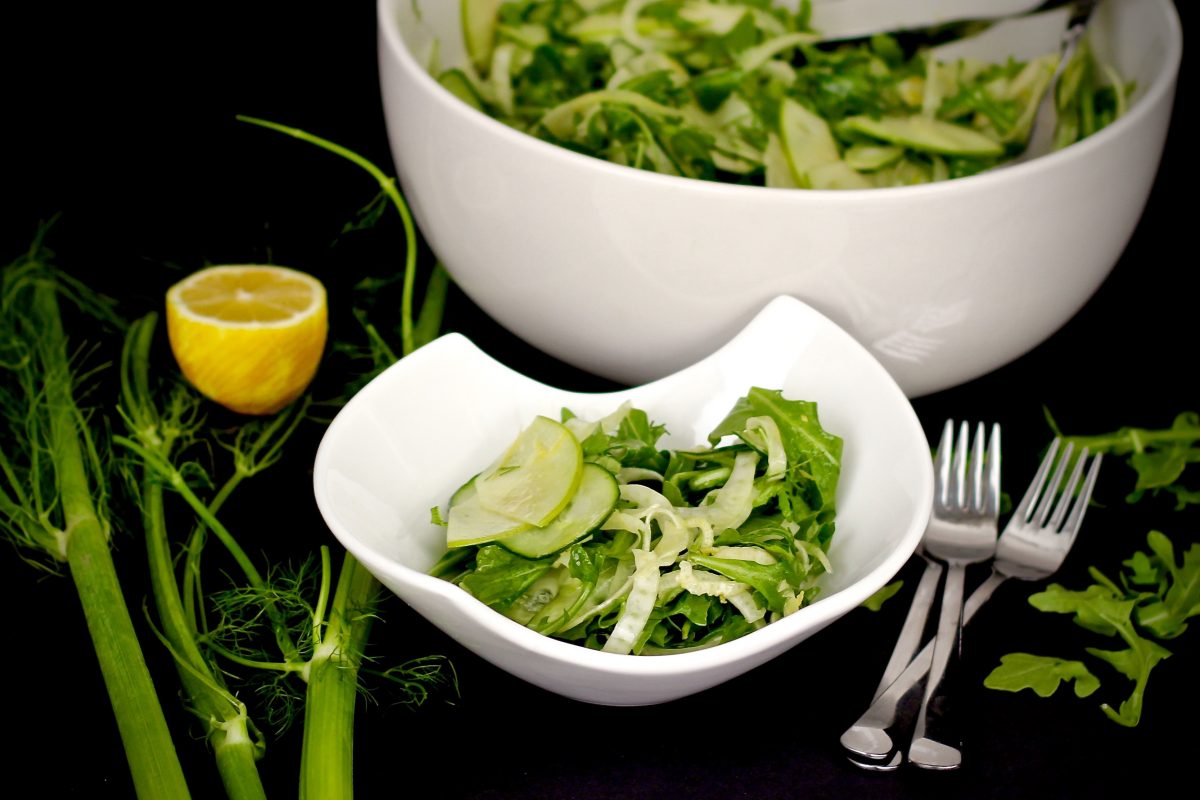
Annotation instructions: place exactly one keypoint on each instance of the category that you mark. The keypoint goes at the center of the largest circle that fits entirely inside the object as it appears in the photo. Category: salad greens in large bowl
(634, 269)
(750, 92)
(791, 550)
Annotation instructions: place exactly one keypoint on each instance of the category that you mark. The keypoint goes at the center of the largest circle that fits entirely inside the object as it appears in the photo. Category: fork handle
(873, 736)
(935, 743)
(865, 742)
(914, 625)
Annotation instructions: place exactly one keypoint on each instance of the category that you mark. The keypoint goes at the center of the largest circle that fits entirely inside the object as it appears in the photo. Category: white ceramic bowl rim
(824, 609)
(1163, 83)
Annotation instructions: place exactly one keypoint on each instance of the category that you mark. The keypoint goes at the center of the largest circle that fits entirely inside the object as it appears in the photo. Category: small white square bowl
(413, 434)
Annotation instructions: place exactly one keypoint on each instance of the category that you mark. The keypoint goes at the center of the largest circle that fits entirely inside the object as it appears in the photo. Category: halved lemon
(248, 336)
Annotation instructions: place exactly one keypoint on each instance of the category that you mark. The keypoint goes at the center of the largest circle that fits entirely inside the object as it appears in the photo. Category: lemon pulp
(249, 337)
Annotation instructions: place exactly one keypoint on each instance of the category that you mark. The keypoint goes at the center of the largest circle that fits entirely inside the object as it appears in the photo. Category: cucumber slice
(872, 157)
(463, 492)
(469, 522)
(837, 175)
(927, 135)
(461, 87)
(593, 502)
(536, 477)
(806, 139)
(479, 20)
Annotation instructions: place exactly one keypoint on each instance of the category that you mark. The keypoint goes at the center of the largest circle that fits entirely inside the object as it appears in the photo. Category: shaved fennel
(702, 545)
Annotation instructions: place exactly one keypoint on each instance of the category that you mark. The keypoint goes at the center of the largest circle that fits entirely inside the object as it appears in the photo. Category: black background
(120, 119)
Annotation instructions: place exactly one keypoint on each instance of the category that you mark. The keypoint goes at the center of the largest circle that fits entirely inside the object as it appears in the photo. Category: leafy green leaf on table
(1184, 497)
(876, 601)
(1134, 663)
(1162, 467)
(1042, 674)
(1097, 608)
(1141, 570)
(1165, 616)
(1107, 609)
(1158, 456)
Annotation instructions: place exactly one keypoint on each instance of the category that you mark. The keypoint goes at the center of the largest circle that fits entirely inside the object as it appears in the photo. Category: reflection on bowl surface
(404, 443)
(632, 275)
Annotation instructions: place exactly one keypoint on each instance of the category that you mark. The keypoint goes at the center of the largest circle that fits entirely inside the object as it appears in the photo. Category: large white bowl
(631, 275)
(411, 436)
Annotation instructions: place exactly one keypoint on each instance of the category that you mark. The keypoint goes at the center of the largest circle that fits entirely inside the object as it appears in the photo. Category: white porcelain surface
(632, 275)
(411, 436)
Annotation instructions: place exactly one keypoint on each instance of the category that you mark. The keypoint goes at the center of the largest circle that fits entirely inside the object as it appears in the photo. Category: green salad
(588, 531)
(744, 91)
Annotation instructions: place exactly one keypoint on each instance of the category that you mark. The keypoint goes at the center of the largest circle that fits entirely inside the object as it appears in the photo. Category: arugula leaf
(1096, 608)
(812, 450)
(876, 601)
(1165, 614)
(500, 577)
(764, 578)
(1134, 663)
(1159, 456)
(1155, 596)
(1042, 674)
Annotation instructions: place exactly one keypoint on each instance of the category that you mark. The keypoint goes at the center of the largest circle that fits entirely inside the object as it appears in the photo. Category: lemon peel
(247, 336)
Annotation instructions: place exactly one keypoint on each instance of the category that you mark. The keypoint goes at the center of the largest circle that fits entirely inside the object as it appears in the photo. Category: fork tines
(1044, 524)
(1039, 501)
(981, 494)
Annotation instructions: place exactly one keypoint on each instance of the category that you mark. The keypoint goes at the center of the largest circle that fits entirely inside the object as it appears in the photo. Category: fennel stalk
(236, 743)
(327, 758)
(52, 498)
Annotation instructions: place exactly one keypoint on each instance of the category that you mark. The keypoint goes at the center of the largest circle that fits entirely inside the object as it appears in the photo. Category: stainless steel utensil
(1033, 546)
(1045, 120)
(842, 20)
(966, 535)
(963, 512)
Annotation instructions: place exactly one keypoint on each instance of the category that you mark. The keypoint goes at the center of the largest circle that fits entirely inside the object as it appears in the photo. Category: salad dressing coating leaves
(700, 547)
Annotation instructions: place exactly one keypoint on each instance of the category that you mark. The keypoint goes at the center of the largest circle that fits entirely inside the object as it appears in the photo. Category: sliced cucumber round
(461, 87)
(806, 139)
(536, 476)
(873, 157)
(469, 522)
(927, 134)
(479, 20)
(593, 502)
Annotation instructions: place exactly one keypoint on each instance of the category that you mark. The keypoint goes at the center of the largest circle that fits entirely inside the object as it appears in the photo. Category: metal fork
(962, 511)
(969, 525)
(909, 639)
(1033, 546)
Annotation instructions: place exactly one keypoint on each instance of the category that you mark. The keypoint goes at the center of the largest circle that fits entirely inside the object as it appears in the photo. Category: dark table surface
(121, 120)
